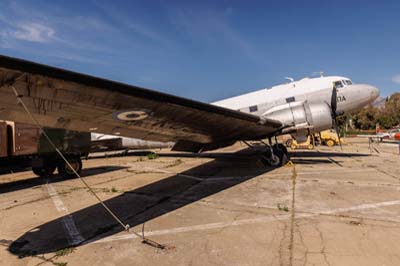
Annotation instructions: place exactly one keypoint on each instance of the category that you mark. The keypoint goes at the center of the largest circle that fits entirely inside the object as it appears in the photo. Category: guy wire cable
(126, 227)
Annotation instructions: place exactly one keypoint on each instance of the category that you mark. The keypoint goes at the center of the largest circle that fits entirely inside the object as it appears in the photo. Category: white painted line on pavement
(67, 221)
(247, 221)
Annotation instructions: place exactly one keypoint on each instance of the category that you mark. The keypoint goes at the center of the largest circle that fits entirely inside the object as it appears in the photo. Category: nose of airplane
(374, 92)
(357, 96)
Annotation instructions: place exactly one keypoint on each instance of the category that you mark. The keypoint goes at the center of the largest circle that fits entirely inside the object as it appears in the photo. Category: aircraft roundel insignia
(131, 115)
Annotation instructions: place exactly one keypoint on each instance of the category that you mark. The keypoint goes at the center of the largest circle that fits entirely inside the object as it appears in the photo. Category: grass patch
(60, 263)
(64, 251)
(113, 189)
(152, 156)
(283, 207)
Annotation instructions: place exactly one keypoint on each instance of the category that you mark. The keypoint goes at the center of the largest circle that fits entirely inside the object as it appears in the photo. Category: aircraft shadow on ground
(144, 203)
(321, 157)
(311, 161)
(314, 153)
(36, 181)
(318, 157)
(144, 153)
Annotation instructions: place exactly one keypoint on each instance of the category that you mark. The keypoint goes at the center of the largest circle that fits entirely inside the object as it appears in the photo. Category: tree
(387, 116)
(366, 118)
(392, 109)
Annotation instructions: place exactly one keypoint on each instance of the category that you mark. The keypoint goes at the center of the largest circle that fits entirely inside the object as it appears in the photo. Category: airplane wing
(63, 99)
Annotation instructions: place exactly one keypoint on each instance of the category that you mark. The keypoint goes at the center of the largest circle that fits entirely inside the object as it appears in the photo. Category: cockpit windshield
(338, 84)
(342, 83)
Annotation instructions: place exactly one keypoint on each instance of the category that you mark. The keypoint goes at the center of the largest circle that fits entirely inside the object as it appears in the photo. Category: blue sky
(208, 50)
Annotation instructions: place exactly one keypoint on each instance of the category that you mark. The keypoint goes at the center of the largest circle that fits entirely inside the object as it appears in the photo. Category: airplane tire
(283, 158)
(282, 152)
(277, 162)
(65, 171)
(266, 159)
(281, 147)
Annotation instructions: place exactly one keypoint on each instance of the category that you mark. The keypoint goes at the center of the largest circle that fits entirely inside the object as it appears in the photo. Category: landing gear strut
(281, 152)
(278, 154)
(275, 155)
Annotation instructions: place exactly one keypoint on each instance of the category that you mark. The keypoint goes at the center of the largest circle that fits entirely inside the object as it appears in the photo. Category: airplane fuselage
(350, 96)
(305, 106)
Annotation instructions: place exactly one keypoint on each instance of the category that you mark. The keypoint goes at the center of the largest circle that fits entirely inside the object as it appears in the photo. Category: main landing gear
(275, 155)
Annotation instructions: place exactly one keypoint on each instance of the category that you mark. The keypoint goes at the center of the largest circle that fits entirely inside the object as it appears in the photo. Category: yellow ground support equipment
(329, 138)
(308, 144)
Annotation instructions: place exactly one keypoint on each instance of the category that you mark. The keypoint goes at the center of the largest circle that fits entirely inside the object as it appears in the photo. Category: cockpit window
(348, 82)
(338, 84)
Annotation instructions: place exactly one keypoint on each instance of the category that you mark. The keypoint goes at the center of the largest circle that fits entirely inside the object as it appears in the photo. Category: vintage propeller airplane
(63, 99)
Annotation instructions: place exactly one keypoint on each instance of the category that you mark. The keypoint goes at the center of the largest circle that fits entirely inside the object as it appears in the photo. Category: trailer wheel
(66, 171)
(44, 171)
(330, 143)
(289, 143)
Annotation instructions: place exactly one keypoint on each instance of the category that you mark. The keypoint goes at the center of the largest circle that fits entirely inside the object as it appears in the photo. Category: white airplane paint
(304, 104)
(288, 102)
(298, 108)
(313, 90)
(124, 143)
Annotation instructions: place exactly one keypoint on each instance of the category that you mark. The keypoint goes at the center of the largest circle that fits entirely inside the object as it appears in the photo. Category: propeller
(334, 114)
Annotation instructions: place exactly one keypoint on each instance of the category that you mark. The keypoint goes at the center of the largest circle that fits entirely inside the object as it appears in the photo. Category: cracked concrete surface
(343, 208)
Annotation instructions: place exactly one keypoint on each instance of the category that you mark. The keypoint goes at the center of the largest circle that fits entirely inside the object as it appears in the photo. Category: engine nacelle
(301, 118)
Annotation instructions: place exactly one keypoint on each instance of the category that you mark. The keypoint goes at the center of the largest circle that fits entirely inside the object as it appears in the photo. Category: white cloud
(77, 58)
(396, 78)
(4, 39)
(34, 32)
(211, 26)
(130, 22)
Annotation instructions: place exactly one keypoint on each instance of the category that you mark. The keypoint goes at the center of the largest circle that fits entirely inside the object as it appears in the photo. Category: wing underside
(63, 99)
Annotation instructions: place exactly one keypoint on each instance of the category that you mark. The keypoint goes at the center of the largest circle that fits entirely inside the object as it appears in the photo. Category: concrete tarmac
(329, 207)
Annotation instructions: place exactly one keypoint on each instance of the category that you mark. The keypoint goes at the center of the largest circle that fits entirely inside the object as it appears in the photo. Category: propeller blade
(334, 115)
(334, 102)
(338, 135)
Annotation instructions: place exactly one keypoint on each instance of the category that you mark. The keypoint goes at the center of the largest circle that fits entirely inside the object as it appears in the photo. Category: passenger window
(253, 108)
(290, 99)
(338, 84)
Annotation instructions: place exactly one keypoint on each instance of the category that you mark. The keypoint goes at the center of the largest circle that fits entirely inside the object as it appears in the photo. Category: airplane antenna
(290, 79)
(321, 73)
